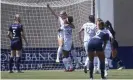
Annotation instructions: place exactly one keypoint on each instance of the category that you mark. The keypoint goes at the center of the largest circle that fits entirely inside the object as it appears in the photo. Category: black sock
(18, 63)
(10, 63)
(119, 62)
(102, 67)
(91, 66)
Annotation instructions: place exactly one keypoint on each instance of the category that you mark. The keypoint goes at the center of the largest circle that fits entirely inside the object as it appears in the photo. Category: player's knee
(12, 53)
(18, 53)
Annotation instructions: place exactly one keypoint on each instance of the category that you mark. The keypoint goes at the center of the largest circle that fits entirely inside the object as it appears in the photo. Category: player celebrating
(114, 46)
(97, 44)
(16, 29)
(61, 17)
(89, 29)
(67, 43)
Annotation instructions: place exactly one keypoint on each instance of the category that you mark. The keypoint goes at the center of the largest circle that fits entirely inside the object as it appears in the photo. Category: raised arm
(52, 11)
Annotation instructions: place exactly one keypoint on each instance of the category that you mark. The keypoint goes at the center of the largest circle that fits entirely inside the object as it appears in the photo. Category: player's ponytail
(70, 21)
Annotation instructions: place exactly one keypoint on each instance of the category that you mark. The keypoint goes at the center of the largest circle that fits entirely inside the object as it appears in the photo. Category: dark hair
(109, 26)
(102, 24)
(92, 18)
(70, 19)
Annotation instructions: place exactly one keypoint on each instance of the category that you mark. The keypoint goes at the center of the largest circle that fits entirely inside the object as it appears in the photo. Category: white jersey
(108, 45)
(61, 22)
(67, 32)
(89, 31)
(67, 37)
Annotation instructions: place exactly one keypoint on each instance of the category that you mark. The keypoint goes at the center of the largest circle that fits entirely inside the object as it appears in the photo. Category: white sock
(106, 64)
(74, 55)
(59, 52)
(65, 62)
(70, 63)
(98, 64)
(95, 63)
(87, 61)
(110, 63)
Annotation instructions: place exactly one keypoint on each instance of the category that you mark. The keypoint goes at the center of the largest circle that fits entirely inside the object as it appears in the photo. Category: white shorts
(67, 46)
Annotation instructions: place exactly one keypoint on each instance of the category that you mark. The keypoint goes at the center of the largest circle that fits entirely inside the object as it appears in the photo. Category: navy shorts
(115, 44)
(16, 44)
(95, 45)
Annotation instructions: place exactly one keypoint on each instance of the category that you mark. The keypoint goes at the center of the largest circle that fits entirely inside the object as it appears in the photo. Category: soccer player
(89, 29)
(61, 18)
(67, 43)
(97, 45)
(114, 47)
(107, 51)
(15, 33)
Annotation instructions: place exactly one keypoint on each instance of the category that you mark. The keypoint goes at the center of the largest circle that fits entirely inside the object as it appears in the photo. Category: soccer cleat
(120, 68)
(70, 70)
(91, 78)
(11, 72)
(97, 72)
(106, 73)
(104, 78)
(85, 69)
(57, 60)
(66, 70)
(20, 71)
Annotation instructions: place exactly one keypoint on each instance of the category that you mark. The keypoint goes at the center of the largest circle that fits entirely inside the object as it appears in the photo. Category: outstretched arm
(52, 11)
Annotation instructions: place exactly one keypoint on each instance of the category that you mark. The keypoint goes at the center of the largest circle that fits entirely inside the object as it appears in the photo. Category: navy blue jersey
(16, 30)
(16, 42)
(101, 35)
(96, 43)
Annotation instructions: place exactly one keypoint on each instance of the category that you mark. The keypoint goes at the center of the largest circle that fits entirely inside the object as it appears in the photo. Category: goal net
(41, 30)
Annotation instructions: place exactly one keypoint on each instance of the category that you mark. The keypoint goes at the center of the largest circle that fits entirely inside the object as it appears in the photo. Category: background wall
(123, 21)
(120, 14)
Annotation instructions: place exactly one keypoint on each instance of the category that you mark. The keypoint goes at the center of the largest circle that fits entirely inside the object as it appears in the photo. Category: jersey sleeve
(95, 28)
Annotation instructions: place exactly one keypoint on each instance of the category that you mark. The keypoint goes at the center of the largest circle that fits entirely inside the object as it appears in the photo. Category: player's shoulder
(88, 24)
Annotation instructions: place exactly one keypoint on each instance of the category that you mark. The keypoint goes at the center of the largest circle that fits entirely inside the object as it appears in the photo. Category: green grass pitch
(60, 74)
